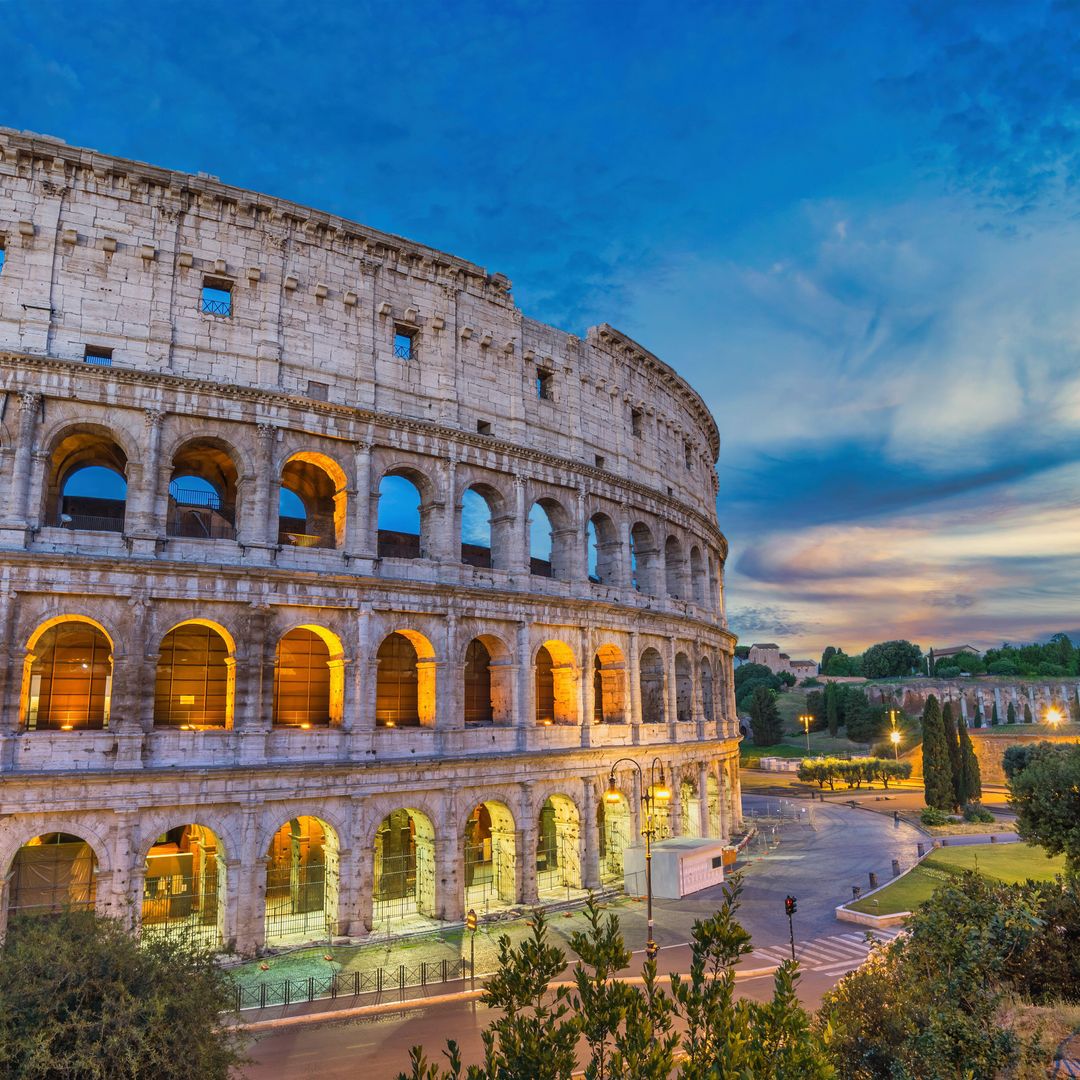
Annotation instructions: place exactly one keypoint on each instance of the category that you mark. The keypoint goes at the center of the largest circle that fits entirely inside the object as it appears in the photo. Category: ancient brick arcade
(332, 584)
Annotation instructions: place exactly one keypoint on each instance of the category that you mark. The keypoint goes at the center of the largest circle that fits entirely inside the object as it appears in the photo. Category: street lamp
(894, 738)
(649, 796)
(1053, 717)
(806, 719)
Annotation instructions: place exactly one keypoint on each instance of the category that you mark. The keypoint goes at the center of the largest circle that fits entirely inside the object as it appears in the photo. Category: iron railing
(217, 307)
(194, 526)
(99, 361)
(91, 522)
(404, 352)
(183, 496)
(265, 993)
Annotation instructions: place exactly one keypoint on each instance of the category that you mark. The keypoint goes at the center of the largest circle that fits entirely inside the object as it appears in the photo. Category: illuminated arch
(490, 857)
(195, 685)
(309, 678)
(67, 675)
(204, 490)
(184, 887)
(488, 683)
(404, 868)
(609, 686)
(558, 848)
(556, 684)
(86, 484)
(51, 873)
(614, 826)
(684, 688)
(302, 879)
(652, 687)
(405, 681)
(317, 486)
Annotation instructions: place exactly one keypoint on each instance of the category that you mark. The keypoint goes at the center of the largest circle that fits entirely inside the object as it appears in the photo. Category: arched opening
(673, 567)
(614, 826)
(712, 794)
(556, 684)
(184, 888)
(52, 873)
(404, 882)
(603, 550)
(301, 882)
(490, 857)
(697, 575)
(399, 518)
(478, 704)
(558, 851)
(476, 540)
(202, 492)
(67, 677)
(684, 688)
(652, 687)
(644, 555)
(689, 807)
(195, 673)
(661, 812)
(706, 688)
(609, 685)
(312, 502)
(405, 681)
(309, 682)
(87, 481)
(550, 533)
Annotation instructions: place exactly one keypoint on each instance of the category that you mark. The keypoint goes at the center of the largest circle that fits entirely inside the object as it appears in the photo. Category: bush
(950, 671)
(811, 681)
(973, 812)
(931, 815)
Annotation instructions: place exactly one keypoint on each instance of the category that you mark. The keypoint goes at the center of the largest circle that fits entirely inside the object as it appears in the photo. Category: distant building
(780, 663)
(955, 650)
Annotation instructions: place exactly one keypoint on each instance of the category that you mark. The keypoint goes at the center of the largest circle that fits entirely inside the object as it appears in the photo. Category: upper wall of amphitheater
(115, 254)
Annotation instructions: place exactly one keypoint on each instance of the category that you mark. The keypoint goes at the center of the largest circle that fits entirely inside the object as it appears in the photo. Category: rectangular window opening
(319, 391)
(635, 423)
(599, 459)
(545, 384)
(404, 343)
(97, 354)
(3, 252)
(483, 427)
(688, 455)
(217, 297)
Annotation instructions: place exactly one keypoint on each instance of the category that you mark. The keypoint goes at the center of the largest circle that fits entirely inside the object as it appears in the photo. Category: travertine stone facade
(302, 381)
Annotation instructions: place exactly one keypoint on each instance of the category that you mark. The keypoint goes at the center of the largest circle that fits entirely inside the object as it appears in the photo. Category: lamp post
(1053, 717)
(649, 796)
(806, 719)
(894, 738)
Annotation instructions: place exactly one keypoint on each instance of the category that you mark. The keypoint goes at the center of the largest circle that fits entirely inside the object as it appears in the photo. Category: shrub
(931, 815)
(973, 812)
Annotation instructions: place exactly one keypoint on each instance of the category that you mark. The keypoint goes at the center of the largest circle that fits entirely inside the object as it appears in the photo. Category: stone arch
(644, 559)
(309, 678)
(86, 483)
(67, 675)
(674, 567)
(486, 527)
(488, 684)
(550, 537)
(490, 857)
(404, 500)
(602, 540)
(698, 584)
(609, 685)
(707, 689)
(405, 681)
(317, 485)
(652, 686)
(195, 685)
(50, 872)
(558, 848)
(404, 868)
(204, 490)
(614, 824)
(712, 795)
(185, 887)
(689, 805)
(555, 673)
(684, 688)
(302, 880)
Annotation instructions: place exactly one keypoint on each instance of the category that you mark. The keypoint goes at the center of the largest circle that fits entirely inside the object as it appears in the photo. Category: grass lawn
(1004, 862)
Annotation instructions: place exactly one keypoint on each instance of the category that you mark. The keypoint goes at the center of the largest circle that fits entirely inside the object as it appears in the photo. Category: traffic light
(470, 920)
(791, 905)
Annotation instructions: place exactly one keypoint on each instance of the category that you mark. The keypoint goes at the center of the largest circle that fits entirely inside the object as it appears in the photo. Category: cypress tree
(994, 719)
(1027, 714)
(976, 720)
(971, 772)
(952, 741)
(937, 770)
(1010, 714)
(832, 714)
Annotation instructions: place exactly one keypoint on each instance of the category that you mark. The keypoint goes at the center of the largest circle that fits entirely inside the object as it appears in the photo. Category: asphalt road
(817, 863)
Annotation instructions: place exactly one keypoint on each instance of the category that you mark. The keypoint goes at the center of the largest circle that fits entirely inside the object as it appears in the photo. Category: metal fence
(769, 819)
(262, 995)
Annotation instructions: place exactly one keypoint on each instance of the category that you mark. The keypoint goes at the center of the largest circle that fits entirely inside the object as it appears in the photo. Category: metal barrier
(264, 994)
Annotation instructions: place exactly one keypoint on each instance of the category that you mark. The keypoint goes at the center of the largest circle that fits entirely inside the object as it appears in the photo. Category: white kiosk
(680, 866)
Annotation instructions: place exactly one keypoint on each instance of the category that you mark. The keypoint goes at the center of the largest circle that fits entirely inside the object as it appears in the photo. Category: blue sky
(853, 227)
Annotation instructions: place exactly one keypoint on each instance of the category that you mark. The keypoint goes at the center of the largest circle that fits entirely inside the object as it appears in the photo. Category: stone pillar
(671, 713)
(736, 803)
(626, 572)
(29, 411)
(12, 653)
(524, 707)
(449, 877)
(450, 685)
(579, 562)
(142, 522)
(723, 795)
(253, 694)
(634, 689)
(525, 847)
(703, 798)
(676, 802)
(586, 689)
(519, 548)
(245, 879)
(450, 538)
(590, 846)
(359, 539)
(366, 674)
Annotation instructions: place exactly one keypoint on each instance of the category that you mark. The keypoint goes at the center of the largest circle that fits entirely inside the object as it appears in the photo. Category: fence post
(262, 995)
(423, 973)
(356, 983)
(379, 980)
(239, 997)
(444, 971)
(401, 981)
(333, 987)
(311, 987)
(896, 868)
(288, 987)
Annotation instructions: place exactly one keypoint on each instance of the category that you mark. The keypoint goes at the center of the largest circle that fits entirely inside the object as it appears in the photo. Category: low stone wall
(990, 745)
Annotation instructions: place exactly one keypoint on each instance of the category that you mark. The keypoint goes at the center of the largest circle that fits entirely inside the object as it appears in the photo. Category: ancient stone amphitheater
(333, 586)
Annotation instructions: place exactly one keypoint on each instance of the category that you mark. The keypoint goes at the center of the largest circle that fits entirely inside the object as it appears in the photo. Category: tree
(80, 996)
(971, 777)
(1027, 713)
(976, 720)
(891, 658)
(937, 769)
(1074, 709)
(764, 718)
(1043, 790)
(748, 678)
(994, 718)
(832, 714)
(826, 656)
(1010, 714)
(952, 741)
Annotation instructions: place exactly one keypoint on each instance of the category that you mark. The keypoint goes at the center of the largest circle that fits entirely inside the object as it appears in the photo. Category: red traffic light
(790, 905)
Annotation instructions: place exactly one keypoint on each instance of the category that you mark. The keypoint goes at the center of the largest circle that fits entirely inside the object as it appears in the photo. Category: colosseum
(333, 586)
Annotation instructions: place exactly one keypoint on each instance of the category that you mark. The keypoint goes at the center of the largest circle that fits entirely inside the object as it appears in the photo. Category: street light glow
(1053, 716)
(894, 735)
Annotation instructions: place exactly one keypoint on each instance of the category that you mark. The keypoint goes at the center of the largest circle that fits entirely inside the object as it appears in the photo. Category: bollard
(873, 880)
(856, 892)
(896, 868)
(921, 849)
(896, 817)
(993, 839)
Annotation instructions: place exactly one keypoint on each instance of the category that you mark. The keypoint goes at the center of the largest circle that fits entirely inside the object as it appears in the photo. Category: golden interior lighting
(67, 727)
(305, 726)
(390, 723)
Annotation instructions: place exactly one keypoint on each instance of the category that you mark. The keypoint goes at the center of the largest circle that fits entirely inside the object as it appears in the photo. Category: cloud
(766, 620)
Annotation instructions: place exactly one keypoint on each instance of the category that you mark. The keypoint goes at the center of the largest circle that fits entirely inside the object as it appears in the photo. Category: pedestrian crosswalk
(833, 955)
